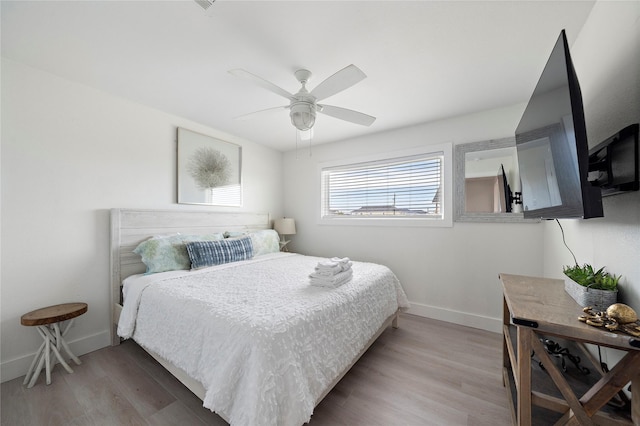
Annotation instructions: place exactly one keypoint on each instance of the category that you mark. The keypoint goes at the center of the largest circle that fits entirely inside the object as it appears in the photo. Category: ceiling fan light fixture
(303, 115)
(304, 105)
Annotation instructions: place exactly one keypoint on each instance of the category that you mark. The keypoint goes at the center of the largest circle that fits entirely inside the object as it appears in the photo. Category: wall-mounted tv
(505, 197)
(551, 142)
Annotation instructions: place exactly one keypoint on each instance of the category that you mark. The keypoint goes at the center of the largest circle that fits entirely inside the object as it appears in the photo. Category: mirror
(486, 173)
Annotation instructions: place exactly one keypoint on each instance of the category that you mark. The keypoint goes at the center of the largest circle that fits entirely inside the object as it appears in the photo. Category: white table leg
(54, 339)
(36, 373)
(52, 344)
(47, 357)
(66, 346)
(34, 363)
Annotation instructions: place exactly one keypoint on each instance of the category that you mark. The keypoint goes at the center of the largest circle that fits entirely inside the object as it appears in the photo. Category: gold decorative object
(622, 313)
(617, 317)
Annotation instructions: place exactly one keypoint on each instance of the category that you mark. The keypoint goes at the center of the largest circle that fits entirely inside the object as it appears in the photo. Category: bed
(251, 337)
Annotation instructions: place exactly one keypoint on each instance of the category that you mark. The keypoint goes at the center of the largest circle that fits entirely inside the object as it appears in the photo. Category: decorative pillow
(169, 253)
(265, 241)
(210, 253)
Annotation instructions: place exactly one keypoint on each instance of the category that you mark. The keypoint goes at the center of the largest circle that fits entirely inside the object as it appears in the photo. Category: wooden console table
(540, 307)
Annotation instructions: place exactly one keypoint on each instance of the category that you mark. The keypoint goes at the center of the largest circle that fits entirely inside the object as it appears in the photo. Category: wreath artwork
(209, 168)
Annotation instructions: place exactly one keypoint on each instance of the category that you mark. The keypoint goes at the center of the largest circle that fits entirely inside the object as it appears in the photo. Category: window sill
(388, 222)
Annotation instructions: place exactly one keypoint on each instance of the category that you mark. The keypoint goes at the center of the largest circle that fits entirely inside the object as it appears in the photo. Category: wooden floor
(424, 373)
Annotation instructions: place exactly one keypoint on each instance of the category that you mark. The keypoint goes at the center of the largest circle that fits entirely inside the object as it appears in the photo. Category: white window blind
(391, 188)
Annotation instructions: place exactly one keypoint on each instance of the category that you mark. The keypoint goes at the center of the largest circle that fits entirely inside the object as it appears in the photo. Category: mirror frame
(459, 211)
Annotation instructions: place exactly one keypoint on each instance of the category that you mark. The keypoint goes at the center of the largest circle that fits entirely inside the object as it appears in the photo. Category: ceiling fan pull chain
(300, 139)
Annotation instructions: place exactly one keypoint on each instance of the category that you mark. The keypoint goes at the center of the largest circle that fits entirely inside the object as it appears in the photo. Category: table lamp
(284, 226)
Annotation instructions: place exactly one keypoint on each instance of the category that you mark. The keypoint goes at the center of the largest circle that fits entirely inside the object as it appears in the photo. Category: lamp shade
(303, 115)
(285, 226)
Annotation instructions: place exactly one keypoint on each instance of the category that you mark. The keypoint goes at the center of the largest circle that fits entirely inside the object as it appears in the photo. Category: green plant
(587, 277)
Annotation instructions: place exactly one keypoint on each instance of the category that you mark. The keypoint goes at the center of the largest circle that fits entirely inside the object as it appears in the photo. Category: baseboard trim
(18, 367)
(457, 317)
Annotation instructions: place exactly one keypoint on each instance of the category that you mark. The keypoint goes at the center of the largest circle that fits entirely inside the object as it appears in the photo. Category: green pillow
(265, 241)
(168, 252)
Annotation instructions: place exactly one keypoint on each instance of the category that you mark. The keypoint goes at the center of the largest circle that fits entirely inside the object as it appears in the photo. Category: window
(410, 185)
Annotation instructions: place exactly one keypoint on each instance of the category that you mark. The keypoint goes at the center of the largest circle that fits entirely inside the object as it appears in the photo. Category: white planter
(584, 296)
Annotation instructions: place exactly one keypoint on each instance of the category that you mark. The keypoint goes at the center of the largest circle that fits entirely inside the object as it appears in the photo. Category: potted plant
(589, 287)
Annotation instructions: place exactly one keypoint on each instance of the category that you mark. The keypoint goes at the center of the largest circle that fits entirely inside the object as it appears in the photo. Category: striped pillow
(210, 253)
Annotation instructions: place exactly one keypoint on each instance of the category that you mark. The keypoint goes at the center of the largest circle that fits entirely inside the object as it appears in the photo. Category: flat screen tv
(551, 142)
(504, 190)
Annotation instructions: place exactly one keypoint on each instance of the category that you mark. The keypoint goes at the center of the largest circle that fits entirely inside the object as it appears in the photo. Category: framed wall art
(209, 170)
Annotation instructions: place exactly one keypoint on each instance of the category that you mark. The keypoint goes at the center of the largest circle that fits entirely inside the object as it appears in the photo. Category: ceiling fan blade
(338, 82)
(261, 82)
(347, 115)
(261, 112)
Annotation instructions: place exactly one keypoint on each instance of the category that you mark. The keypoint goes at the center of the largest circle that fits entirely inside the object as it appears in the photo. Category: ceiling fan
(303, 105)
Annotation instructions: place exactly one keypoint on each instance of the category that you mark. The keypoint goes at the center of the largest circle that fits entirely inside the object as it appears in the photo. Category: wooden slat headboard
(129, 227)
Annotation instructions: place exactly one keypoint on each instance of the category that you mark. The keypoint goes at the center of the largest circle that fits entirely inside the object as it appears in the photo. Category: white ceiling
(425, 60)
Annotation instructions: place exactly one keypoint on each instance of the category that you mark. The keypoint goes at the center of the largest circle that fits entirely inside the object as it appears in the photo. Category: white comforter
(263, 342)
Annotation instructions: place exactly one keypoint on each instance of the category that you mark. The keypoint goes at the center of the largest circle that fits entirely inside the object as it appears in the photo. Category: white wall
(70, 153)
(606, 56)
(448, 273)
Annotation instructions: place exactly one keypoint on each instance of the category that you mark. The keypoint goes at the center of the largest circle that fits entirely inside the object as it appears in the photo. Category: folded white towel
(320, 273)
(328, 265)
(333, 281)
(332, 268)
(341, 260)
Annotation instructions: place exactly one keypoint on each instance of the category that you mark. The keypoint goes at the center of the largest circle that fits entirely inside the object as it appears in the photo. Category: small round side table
(46, 321)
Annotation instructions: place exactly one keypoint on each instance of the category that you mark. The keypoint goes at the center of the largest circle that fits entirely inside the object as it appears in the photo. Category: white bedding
(263, 342)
